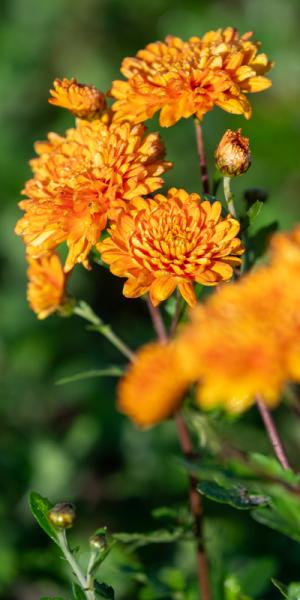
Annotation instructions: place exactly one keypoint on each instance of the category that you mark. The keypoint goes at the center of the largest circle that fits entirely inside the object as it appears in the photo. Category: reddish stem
(202, 156)
(157, 321)
(196, 509)
(272, 432)
(195, 498)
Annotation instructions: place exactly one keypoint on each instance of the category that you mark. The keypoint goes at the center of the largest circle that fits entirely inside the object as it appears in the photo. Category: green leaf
(280, 586)
(109, 372)
(40, 508)
(161, 536)
(282, 514)
(236, 496)
(294, 591)
(173, 578)
(271, 466)
(254, 210)
(51, 598)
(254, 574)
(104, 591)
(78, 592)
(233, 589)
(165, 512)
(258, 243)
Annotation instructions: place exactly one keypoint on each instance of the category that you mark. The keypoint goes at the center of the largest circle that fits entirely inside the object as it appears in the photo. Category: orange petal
(137, 286)
(162, 288)
(186, 289)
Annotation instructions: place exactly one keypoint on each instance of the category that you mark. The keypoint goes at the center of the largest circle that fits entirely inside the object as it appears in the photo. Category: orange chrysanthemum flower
(83, 178)
(153, 388)
(46, 287)
(83, 101)
(181, 79)
(172, 241)
(285, 248)
(246, 340)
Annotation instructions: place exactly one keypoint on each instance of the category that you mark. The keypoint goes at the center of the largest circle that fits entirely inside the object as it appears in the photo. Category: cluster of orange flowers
(100, 177)
(244, 342)
(102, 171)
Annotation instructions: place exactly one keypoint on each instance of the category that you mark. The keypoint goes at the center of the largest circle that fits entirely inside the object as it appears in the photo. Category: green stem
(90, 576)
(63, 542)
(229, 197)
(84, 310)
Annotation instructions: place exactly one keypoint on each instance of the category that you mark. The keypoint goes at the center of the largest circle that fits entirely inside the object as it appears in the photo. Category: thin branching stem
(272, 432)
(157, 321)
(69, 556)
(196, 509)
(195, 498)
(202, 157)
(84, 311)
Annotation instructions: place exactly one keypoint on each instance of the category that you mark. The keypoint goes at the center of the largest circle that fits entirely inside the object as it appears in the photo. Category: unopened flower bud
(233, 155)
(62, 515)
(98, 541)
(84, 101)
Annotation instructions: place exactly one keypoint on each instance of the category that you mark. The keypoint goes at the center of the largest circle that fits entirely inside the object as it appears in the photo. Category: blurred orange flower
(46, 286)
(83, 178)
(83, 101)
(181, 79)
(244, 342)
(153, 389)
(165, 242)
(246, 339)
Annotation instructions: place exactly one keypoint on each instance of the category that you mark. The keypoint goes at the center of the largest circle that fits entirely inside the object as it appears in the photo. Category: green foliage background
(68, 442)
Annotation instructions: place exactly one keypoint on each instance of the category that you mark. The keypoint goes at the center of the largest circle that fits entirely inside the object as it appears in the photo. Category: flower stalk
(69, 556)
(195, 498)
(202, 156)
(84, 310)
(272, 432)
(229, 197)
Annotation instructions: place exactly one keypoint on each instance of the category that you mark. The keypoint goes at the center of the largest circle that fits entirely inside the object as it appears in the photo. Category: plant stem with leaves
(195, 498)
(69, 556)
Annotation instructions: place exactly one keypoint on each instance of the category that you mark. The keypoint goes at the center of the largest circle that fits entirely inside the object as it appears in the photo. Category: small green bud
(98, 541)
(62, 515)
(66, 309)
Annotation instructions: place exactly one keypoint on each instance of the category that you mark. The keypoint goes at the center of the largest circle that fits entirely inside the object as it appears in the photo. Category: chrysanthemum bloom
(233, 155)
(83, 101)
(46, 287)
(181, 79)
(285, 248)
(172, 241)
(245, 340)
(153, 388)
(83, 178)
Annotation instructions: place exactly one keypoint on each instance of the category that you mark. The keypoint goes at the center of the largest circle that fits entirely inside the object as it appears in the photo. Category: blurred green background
(68, 442)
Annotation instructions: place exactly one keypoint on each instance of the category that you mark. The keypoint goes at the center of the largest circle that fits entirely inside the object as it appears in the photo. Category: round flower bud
(98, 542)
(62, 515)
(233, 155)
